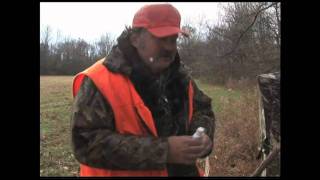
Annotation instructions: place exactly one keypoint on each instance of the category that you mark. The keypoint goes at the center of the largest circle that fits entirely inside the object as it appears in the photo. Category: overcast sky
(91, 20)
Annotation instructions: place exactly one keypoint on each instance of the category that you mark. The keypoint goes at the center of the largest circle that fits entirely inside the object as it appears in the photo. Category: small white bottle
(199, 132)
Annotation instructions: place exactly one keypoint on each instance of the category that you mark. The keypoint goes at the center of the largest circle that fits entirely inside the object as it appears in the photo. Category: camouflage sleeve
(96, 143)
(202, 113)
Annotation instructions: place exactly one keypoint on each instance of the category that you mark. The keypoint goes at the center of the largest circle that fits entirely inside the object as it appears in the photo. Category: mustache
(166, 54)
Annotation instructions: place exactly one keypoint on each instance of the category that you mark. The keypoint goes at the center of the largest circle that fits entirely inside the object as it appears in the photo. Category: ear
(134, 39)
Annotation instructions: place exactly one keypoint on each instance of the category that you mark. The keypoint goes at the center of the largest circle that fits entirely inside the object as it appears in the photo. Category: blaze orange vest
(131, 115)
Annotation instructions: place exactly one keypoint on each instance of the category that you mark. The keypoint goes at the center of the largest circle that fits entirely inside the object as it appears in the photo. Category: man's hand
(206, 143)
(186, 150)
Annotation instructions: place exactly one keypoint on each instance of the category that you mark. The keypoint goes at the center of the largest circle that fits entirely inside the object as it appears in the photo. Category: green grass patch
(218, 94)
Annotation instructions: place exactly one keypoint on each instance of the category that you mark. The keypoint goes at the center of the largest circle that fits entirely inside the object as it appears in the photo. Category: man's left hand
(206, 143)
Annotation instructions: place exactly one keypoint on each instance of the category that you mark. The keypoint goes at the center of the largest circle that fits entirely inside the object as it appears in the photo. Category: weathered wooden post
(269, 117)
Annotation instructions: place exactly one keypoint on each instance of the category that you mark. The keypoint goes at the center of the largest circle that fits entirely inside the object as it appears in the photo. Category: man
(135, 111)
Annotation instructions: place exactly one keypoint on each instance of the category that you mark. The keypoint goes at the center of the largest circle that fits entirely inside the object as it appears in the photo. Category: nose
(170, 44)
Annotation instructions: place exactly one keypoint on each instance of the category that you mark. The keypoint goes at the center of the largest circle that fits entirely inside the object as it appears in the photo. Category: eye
(170, 39)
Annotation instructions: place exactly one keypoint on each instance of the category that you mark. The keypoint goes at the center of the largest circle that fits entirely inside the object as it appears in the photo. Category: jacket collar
(124, 59)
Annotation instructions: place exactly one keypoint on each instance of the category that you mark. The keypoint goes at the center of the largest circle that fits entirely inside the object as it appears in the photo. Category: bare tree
(45, 38)
(241, 45)
(243, 32)
(104, 45)
(45, 35)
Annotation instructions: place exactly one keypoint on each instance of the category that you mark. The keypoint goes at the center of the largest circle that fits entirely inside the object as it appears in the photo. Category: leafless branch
(266, 162)
(246, 30)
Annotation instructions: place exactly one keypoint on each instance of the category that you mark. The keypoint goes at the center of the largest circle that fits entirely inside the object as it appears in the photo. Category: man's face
(157, 53)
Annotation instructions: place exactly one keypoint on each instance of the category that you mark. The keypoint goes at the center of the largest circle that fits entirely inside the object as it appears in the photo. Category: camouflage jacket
(95, 141)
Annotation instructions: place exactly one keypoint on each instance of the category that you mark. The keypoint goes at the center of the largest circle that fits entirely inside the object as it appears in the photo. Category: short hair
(130, 30)
(137, 30)
(124, 42)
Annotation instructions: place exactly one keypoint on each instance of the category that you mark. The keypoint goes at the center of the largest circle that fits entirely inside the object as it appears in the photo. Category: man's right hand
(184, 149)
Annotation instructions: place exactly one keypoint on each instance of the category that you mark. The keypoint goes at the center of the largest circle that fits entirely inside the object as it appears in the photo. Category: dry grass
(56, 158)
(237, 130)
(236, 137)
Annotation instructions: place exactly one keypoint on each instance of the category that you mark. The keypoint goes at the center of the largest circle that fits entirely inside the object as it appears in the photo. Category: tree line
(244, 43)
(70, 56)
